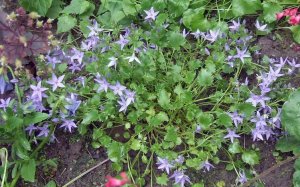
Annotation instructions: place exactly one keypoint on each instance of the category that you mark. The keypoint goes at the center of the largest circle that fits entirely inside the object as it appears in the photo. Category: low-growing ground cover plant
(157, 92)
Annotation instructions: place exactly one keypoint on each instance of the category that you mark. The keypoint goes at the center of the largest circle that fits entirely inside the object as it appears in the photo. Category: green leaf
(235, 147)
(65, 23)
(290, 116)
(296, 33)
(243, 7)
(194, 19)
(269, 11)
(135, 145)
(296, 178)
(39, 6)
(34, 118)
(162, 180)
(171, 135)
(204, 78)
(176, 8)
(294, 144)
(175, 40)
(28, 170)
(164, 99)
(115, 151)
(76, 7)
(90, 117)
(250, 157)
(55, 9)
(159, 118)
(51, 184)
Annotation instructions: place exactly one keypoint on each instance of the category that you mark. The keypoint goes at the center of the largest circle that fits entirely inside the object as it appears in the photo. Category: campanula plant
(161, 91)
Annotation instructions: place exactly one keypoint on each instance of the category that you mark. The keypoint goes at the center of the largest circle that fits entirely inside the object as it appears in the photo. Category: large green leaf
(55, 9)
(194, 19)
(269, 11)
(242, 7)
(35, 117)
(290, 116)
(39, 6)
(296, 33)
(250, 157)
(28, 170)
(65, 23)
(164, 98)
(77, 7)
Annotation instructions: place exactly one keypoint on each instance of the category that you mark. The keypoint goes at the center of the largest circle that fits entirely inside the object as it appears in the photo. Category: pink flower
(294, 20)
(279, 15)
(114, 182)
(290, 11)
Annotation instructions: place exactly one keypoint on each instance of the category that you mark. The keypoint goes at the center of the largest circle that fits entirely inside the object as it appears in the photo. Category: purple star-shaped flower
(164, 164)
(242, 177)
(255, 99)
(4, 103)
(206, 165)
(293, 64)
(31, 128)
(282, 62)
(236, 118)
(73, 104)
(56, 82)
(77, 56)
(94, 29)
(235, 25)
(231, 135)
(81, 79)
(52, 61)
(122, 42)
(118, 88)
(75, 67)
(150, 14)
(123, 104)
(104, 85)
(259, 120)
(197, 34)
(38, 91)
(68, 125)
(241, 54)
(44, 131)
(212, 35)
(180, 178)
(273, 75)
(112, 62)
(130, 96)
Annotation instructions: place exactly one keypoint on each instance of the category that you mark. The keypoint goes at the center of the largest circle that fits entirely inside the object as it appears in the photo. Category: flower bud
(12, 16)
(23, 40)
(34, 15)
(39, 24)
(18, 64)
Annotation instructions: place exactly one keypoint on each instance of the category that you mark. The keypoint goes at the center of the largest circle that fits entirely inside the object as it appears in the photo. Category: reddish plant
(22, 36)
(114, 182)
(294, 19)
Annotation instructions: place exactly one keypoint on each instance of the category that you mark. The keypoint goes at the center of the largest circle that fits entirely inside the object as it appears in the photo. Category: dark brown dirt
(74, 156)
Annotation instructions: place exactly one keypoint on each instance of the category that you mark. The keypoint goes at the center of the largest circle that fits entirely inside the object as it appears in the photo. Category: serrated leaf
(164, 98)
(235, 148)
(115, 151)
(171, 135)
(162, 180)
(269, 11)
(194, 19)
(296, 33)
(90, 117)
(290, 116)
(204, 78)
(135, 145)
(76, 7)
(39, 6)
(294, 144)
(176, 7)
(65, 23)
(28, 170)
(250, 157)
(243, 7)
(55, 9)
(175, 40)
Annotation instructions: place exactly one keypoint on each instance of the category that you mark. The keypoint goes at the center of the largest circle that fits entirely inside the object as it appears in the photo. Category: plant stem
(271, 169)
(16, 86)
(86, 172)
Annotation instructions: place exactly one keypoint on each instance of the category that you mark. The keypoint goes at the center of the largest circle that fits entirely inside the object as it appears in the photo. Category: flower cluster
(294, 18)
